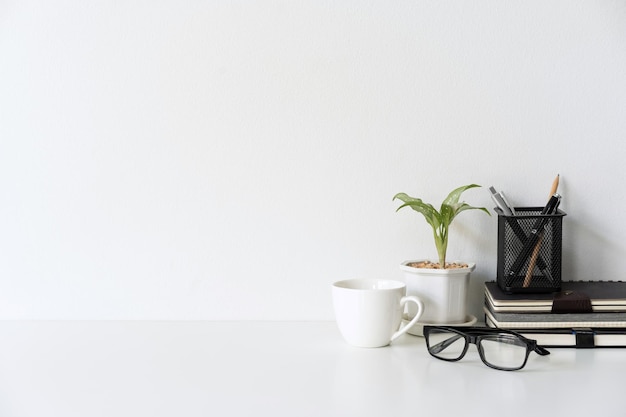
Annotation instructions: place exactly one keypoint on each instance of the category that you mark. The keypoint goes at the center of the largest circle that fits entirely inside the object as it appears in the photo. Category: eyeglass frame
(475, 334)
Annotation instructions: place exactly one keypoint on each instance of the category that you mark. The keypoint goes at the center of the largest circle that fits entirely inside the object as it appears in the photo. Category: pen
(506, 202)
(500, 202)
(535, 254)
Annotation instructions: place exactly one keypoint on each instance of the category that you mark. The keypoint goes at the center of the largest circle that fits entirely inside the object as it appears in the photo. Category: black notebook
(603, 296)
(552, 320)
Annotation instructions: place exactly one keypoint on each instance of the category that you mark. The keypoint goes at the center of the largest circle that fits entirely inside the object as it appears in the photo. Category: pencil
(555, 186)
(535, 254)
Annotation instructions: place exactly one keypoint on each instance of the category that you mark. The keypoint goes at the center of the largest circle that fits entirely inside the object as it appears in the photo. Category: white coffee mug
(369, 311)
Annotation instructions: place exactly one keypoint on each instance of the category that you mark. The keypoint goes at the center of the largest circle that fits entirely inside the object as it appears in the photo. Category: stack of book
(582, 314)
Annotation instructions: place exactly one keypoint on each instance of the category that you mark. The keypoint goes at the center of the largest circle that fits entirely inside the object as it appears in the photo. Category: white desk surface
(202, 368)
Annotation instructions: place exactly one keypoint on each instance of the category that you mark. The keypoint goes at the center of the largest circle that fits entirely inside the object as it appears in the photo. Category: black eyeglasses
(501, 349)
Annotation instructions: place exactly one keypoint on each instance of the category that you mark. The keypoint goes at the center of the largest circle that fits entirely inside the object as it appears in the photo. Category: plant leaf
(427, 210)
(454, 196)
(466, 206)
(448, 213)
(450, 208)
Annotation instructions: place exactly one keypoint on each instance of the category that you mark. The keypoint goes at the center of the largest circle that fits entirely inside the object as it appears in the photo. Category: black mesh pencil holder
(529, 250)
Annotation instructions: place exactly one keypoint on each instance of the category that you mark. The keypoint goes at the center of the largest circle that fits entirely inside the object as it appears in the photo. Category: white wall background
(231, 159)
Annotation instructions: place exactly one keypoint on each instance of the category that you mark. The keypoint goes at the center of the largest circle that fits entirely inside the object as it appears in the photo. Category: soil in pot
(436, 265)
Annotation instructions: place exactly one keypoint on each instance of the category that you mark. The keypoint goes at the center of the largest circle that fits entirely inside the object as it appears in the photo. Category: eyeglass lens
(503, 351)
(446, 345)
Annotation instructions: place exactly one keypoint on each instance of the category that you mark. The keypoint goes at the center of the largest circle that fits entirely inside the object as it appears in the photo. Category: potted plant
(441, 285)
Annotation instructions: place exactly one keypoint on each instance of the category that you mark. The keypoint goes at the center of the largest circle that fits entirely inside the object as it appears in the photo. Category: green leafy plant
(440, 220)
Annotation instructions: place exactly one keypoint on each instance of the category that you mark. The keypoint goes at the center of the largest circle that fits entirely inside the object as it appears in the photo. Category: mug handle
(420, 310)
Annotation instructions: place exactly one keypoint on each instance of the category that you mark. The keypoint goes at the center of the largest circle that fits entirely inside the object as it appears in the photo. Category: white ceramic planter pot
(442, 291)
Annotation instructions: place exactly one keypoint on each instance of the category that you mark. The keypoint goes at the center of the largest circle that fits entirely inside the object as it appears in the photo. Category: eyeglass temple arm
(533, 344)
(541, 350)
(439, 347)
